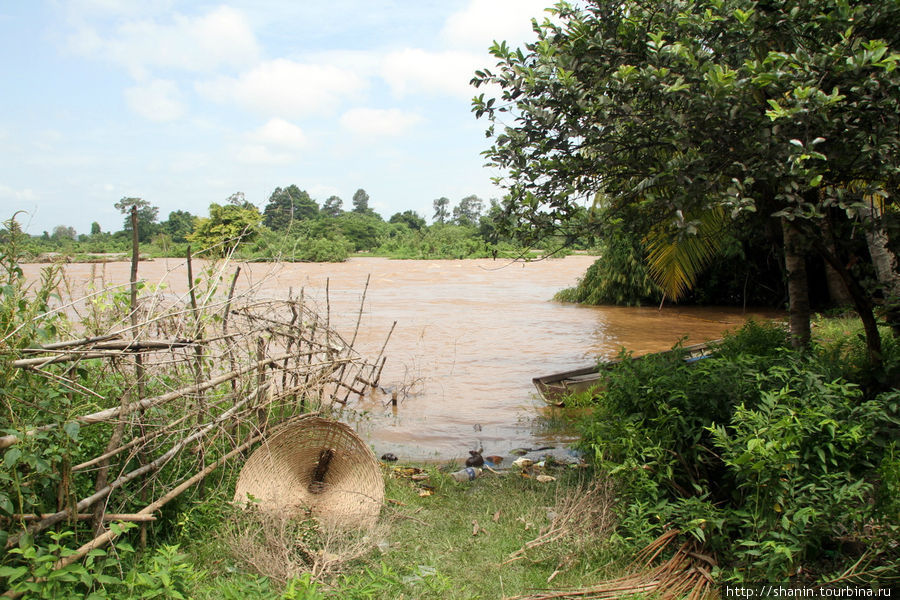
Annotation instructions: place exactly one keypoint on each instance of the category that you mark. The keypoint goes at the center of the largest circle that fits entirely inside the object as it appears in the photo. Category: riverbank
(499, 536)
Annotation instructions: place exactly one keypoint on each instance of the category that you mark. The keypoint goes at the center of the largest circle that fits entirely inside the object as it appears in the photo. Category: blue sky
(184, 103)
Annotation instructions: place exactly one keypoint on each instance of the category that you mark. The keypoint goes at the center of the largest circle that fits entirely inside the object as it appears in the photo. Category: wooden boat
(553, 388)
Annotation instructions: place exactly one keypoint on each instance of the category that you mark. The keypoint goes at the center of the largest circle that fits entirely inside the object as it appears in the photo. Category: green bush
(296, 246)
(758, 452)
(619, 276)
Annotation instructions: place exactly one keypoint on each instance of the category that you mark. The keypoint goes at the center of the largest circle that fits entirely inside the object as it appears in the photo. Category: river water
(470, 336)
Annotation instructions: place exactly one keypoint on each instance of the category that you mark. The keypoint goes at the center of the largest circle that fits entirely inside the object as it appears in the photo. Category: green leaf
(6, 504)
(12, 573)
(72, 428)
(11, 457)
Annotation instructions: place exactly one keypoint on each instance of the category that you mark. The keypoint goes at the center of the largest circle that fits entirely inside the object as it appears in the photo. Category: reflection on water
(470, 336)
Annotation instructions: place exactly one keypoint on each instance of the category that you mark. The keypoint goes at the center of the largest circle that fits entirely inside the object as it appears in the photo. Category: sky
(184, 103)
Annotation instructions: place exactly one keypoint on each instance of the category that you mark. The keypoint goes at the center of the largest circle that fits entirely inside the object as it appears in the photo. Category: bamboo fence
(203, 376)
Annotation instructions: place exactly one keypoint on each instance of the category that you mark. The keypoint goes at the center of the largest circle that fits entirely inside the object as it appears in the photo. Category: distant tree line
(293, 226)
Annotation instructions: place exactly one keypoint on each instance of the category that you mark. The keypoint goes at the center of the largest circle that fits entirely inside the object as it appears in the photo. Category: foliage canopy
(674, 107)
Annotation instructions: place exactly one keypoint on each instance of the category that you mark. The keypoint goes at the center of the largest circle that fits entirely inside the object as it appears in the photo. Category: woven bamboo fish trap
(318, 467)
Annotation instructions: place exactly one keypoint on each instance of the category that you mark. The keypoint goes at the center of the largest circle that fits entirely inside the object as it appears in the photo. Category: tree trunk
(798, 287)
(837, 289)
(862, 301)
(884, 261)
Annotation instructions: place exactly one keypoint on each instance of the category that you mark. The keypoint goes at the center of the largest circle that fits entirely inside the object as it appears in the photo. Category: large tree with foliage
(410, 218)
(468, 211)
(332, 207)
(179, 225)
(441, 210)
(680, 116)
(226, 227)
(147, 215)
(360, 201)
(287, 205)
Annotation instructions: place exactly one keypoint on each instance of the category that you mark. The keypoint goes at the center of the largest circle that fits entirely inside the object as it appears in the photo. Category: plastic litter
(467, 474)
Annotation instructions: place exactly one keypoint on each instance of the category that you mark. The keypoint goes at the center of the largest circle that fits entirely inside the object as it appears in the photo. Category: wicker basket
(317, 466)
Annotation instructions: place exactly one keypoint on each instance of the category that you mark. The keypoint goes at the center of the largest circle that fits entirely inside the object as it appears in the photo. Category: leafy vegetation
(779, 463)
(673, 115)
(292, 227)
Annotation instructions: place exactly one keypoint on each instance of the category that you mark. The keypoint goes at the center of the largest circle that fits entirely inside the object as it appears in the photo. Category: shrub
(756, 451)
(619, 276)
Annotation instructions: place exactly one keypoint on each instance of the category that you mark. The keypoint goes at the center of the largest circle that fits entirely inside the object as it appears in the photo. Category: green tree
(178, 226)
(360, 201)
(287, 205)
(410, 218)
(95, 228)
(239, 199)
(468, 210)
(672, 109)
(62, 233)
(225, 228)
(441, 210)
(363, 231)
(146, 213)
(332, 207)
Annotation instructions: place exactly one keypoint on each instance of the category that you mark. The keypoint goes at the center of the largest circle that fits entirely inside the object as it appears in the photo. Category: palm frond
(676, 258)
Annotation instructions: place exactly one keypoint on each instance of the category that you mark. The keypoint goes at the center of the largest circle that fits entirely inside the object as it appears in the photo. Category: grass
(437, 539)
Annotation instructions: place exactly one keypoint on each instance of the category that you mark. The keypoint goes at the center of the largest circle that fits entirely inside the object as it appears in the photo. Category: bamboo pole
(362, 304)
(109, 536)
(380, 369)
(380, 354)
(197, 363)
(73, 343)
(115, 440)
(136, 348)
(113, 413)
(131, 444)
(86, 516)
(154, 465)
(225, 313)
(262, 387)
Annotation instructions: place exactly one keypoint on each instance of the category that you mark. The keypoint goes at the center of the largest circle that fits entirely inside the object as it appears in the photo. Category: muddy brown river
(470, 336)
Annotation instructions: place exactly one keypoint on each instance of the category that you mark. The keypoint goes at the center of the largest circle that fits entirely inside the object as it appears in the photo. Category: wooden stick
(113, 413)
(73, 343)
(132, 443)
(115, 439)
(154, 465)
(362, 304)
(125, 348)
(86, 516)
(102, 540)
(197, 363)
(231, 361)
(381, 353)
(378, 375)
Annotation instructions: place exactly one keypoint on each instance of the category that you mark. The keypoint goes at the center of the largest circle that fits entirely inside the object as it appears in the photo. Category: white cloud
(158, 100)
(379, 122)
(260, 154)
(275, 143)
(415, 70)
(204, 43)
(280, 133)
(17, 196)
(483, 21)
(285, 88)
